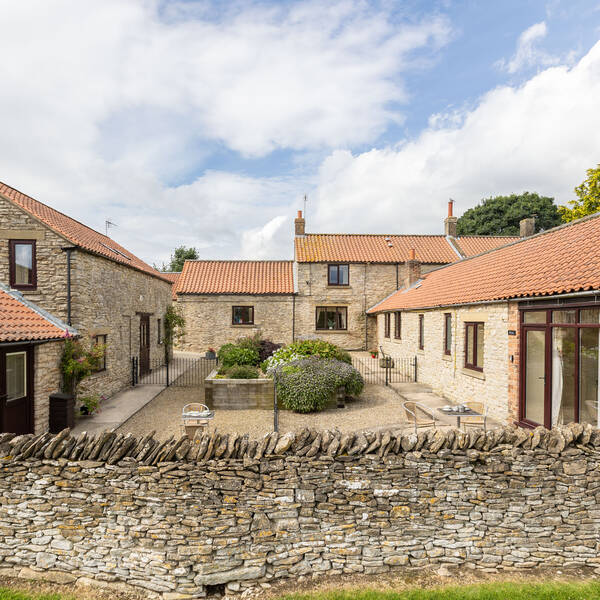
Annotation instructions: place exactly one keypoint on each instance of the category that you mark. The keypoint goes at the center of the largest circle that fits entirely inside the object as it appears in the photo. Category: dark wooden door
(144, 344)
(16, 389)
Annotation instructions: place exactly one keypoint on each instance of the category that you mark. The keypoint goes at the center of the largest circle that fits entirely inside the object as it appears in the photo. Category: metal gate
(182, 371)
(385, 369)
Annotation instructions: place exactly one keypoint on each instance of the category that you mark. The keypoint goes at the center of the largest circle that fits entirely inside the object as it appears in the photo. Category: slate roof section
(75, 232)
(558, 261)
(236, 277)
(21, 320)
(391, 249)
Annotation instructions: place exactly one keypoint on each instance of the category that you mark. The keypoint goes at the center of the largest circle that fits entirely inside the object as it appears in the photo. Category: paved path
(118, 408)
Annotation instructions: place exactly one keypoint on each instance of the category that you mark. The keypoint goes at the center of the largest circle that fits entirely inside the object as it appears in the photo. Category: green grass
(487, 591)
(6, 594)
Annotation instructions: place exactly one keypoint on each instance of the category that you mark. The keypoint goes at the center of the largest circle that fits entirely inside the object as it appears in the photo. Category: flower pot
(211, 355)
(84, 410)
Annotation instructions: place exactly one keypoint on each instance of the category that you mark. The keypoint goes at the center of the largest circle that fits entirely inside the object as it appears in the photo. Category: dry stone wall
(182, 519)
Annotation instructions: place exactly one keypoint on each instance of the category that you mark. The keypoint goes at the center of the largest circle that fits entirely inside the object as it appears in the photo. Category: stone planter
(238, 394)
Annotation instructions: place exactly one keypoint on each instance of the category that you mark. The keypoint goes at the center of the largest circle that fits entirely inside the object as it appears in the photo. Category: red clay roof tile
(236, 277)
(560, 260)
(77, 233)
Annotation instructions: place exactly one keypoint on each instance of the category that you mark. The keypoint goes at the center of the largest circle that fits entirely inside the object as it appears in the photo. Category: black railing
(384, 369)
(183, 371)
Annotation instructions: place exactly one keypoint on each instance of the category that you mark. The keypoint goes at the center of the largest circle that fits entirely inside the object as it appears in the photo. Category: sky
(204, 123)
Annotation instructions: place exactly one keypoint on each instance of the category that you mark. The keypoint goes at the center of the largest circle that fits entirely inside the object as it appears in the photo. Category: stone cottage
(323, 293)
(223, 300)
(340, 276)
(31, 342)
(86, 280)
(517, 327)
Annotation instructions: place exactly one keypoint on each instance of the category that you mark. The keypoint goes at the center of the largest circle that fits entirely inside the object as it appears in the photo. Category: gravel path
(378, 407)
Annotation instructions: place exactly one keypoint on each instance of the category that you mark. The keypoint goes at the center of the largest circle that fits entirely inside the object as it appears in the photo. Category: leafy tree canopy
(588, 198)
(501, 215)
(179, 256)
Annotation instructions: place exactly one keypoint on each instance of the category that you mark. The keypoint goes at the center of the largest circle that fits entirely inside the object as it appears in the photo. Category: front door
(16, 389)
(144, 344)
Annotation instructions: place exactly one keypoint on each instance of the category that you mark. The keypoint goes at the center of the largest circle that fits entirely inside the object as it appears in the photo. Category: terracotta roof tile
(430, 249)
(172, 277)
(471, 245)
(560, 260)
(236, 277)
(21, 320)
(77, 233)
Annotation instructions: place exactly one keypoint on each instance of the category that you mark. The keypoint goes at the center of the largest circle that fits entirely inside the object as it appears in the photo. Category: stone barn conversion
(86, 280)
(517, 327)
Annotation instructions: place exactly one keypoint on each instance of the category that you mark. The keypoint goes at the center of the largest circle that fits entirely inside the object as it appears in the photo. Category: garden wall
(180, 519)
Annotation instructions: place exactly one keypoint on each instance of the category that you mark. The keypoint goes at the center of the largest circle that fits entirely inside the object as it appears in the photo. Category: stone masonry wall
(47, 380)
(368, 284)
(447, 374)
(208, 319)
(107, 299)
(51, 292)
(177, 518)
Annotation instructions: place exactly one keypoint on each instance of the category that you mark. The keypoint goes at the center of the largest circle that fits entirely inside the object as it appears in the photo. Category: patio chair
(419, 414)
(195, 417)
(479, 407)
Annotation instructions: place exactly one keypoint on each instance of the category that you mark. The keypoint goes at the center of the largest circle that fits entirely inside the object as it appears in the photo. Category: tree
(500, 215)
(589, 198)
(179, 256)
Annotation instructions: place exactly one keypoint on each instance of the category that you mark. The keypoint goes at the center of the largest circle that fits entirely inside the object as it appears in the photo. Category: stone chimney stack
(450, 221)
(300, 225)
(413, 269)
(527, 227)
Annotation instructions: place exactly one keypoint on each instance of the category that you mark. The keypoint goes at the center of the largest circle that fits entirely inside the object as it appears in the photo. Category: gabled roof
(558, 261)
(357, 248)
(236, 277)
(75, 232)
(21, 320)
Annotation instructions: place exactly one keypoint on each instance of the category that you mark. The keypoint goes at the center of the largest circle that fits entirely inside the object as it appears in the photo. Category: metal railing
(384, 369)
(182, 371)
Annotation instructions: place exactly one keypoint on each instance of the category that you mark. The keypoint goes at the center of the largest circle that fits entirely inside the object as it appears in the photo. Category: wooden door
(144, 344)
(16, 389)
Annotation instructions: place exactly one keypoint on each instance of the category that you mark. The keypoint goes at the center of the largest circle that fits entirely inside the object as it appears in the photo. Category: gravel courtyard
(377, 407)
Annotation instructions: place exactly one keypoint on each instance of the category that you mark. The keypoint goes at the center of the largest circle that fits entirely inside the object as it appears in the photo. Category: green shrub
(251, 343)
(230, 355)
(243, 372)
(302, 349)
(306, 385)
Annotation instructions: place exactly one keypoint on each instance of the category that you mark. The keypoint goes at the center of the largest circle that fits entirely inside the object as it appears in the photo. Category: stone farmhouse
(323, 293)
(517, 327)
(84, 280)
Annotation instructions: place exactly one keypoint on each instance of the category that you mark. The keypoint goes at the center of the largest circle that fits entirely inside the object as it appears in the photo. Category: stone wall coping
(110, 447)
(213, 379)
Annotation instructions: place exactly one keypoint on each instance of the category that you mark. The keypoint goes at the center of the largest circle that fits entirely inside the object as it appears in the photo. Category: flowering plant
(78, 362)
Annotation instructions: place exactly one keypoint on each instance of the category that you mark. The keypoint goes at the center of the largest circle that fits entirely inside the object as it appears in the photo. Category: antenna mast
(108, 224)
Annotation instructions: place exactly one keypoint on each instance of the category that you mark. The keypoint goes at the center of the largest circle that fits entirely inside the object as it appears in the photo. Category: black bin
(62, 412)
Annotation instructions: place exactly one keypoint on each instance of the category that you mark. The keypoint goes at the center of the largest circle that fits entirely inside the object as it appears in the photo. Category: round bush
(230, 355)
(305, 348)
(306, 385)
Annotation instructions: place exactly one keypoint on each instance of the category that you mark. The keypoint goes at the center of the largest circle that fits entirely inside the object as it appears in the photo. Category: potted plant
(210, 353)
(89, 404)
(373, 353)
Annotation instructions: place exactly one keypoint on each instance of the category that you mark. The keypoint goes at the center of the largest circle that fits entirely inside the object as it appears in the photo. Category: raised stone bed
(238, 393)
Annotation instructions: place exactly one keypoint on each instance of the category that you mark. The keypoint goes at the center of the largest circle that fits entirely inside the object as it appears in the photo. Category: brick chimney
(527, 227)
(450, 221)
(300, 225)
(413, 269)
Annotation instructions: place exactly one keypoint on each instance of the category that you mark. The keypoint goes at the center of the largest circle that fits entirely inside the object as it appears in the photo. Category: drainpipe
(365, 309)
(69, 251)
(294, 318)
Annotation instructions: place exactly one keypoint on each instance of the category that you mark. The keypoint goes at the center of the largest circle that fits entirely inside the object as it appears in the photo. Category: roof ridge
(436, 235)
(236, 260)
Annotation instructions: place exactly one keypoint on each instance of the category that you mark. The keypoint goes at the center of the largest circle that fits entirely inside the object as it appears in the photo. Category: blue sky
(204, 122)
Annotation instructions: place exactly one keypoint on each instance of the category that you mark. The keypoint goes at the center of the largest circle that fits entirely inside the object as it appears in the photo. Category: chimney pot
(450, 204)
(527, 227)
(299, 214)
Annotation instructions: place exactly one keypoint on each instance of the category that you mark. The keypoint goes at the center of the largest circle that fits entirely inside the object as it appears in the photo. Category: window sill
(317, 331)
(338, 287)
(242, 325)
(447, 357)
(473, 373)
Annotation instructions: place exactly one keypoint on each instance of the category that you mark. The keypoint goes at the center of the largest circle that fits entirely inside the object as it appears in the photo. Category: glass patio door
(535, 376)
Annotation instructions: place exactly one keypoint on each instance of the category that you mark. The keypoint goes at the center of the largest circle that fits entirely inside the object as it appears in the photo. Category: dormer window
(338, 274)
(22, 265)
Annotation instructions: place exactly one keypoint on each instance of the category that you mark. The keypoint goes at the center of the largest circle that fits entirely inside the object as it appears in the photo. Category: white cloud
(106, 106)
(528, 53)
(539, 137)
(267, 241)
